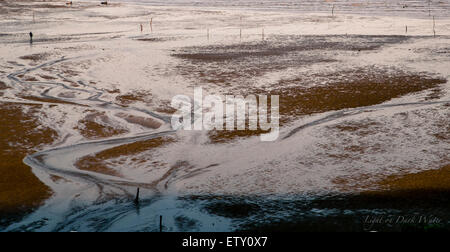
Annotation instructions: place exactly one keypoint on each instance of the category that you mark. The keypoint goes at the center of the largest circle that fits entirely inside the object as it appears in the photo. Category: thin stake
(332, 11)
(406, 29)
(434, 27)
(429, 8)
(160, 223)
(151, 24)
(240, 28)
(136, 200)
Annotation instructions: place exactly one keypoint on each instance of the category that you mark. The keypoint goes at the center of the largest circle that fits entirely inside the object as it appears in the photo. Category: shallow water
(278, 170)
(422, 9)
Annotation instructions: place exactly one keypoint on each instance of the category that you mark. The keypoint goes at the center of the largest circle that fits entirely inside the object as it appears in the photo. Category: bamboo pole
(240, 28)
(136, 200)
(429, 8)
(434, 27)
(151, 24)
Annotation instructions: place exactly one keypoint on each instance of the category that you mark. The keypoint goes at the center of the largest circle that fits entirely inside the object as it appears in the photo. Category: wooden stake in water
(434, 27)
(34, 17)
(136, 200)
(240, 28)
(332, 11)
(151, 24)
(142, 28)
(429, 8)
(406, 29)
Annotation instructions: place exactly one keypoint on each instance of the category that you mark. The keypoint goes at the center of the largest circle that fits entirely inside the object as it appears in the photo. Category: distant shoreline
(440, 10)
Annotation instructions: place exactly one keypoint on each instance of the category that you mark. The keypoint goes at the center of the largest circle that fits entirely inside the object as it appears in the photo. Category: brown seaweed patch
(113, 91)
(48, 100)
(229, 65)
(363, 87)
(68, 72)
(3, 86)
(443, 129)
(427, 180)
(143, 121)
(241, 71)
(65, 69)
(91, 163)
(436, 93)
(152, 39)
(224, 136)
(47, 77)
(360, 128)
(30, 78)
(165, 108)
(21, 133)
(98, 125)
(36, 57)
(280, 45)
(358, 88)
(57, 179)
(97, 162)
(130, 98)
(430, 180)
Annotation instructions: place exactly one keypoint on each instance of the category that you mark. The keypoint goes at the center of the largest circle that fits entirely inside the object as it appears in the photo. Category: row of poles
(150, 24)
(141, 28)
(208, 34)
(137, 203)
(262, 31)
(434, 27)
(240, 34)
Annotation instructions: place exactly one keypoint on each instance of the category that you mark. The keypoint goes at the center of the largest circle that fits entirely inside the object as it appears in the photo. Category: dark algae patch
(21, 134)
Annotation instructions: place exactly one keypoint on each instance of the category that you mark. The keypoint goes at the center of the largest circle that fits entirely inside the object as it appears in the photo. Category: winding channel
(60, 160)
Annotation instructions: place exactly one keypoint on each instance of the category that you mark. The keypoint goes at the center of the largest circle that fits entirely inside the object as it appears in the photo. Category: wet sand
(361, 88)
(97, 125)
(104, 90)
(101, 162)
